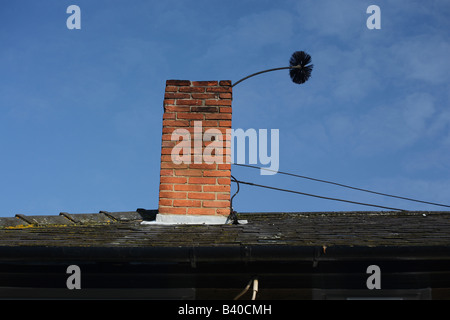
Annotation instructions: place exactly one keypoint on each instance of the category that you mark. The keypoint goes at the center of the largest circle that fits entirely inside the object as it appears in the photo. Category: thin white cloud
(265, 28)
(391, 127)
(431, 190)
(423, 58)
(382, 128)
(250, 35)
(340, 19)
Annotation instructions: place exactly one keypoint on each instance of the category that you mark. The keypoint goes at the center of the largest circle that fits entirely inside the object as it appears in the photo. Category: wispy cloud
(386, 127)
(421, 58)
(338, 19)
(244, 41)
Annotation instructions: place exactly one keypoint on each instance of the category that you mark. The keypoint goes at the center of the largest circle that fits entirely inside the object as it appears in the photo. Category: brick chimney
(196, 152)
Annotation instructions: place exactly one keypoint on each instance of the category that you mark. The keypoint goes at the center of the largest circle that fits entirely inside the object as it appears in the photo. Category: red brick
(205, 83)
(169, 116)
(166, 158)
(226, 110)
(177, 109)
(207, 123)
(168, 102)
(171, 165)
(178, 83)
(187, 187)
(171, 88)
(177, 96)
(195, 180)
(178, 134)
(191, 89)
(170, 210)
(216, 173)
(189, 173)
(225, 96)
(219, 89)
(216, 204)
(225, 83)
(223, 196)
(171, 131)
(190, 102)
(169, 144)
(166, 202)
(187, 203)
(190, 116)
(166, 151)
(225, 124)
(201, 196)
(223, 188)
(166, 187)
(223, 212)
(167, 137)
(203, 166)
(168, 131)
(217, 102)
(204, 96)
(225, 181)
(218, 116)
(205, 109)
(201, 211)
(166, 172)
(172, 195)
(178, 180)
(175, 123)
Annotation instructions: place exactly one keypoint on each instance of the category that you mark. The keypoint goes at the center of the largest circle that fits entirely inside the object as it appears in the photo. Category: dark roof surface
(124, 229)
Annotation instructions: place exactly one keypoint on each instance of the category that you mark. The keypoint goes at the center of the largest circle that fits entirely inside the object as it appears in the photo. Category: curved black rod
(270, 70)
(232, 215)
(237, 182)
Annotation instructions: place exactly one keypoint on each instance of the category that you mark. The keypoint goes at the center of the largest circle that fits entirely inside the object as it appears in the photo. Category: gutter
(236, 254)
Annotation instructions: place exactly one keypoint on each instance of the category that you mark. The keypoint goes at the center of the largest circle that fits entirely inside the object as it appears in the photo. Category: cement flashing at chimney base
(187, 219)
(174, 219)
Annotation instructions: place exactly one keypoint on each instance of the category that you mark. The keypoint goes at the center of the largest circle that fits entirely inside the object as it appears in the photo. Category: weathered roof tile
(88, 218)
(79, 219)
(45, 220)
(15, 222)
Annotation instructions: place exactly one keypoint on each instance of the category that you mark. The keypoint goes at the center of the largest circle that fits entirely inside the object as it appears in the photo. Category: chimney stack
(196, 152)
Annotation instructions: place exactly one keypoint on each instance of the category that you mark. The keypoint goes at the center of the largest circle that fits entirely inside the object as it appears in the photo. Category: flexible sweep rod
(299, 66)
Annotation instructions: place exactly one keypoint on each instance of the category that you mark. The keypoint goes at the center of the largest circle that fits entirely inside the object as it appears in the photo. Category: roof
(291, 251)
(326, 229)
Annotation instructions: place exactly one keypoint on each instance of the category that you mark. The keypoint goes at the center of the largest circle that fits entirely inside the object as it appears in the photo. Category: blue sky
(81, 110)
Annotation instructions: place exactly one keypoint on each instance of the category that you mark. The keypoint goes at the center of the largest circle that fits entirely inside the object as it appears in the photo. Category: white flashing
(173, 219)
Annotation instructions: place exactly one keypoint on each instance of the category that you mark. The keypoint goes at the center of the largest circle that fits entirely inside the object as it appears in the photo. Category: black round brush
(299, 66)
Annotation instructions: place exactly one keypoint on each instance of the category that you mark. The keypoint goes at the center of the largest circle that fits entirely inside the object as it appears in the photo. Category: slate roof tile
(110, 229)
